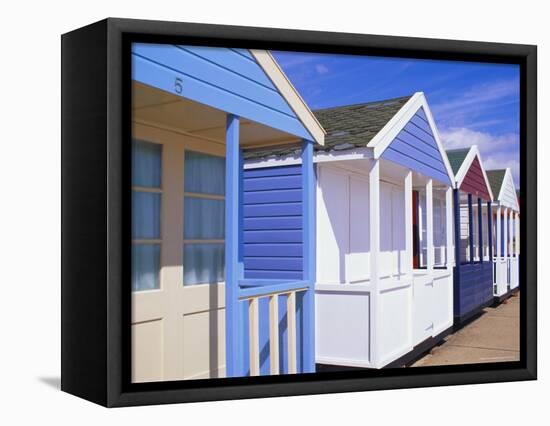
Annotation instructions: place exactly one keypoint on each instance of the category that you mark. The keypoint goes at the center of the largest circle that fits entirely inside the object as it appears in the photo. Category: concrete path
(491, 337)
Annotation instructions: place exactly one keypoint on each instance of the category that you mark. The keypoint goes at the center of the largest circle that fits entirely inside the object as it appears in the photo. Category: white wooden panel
(359, 245)
(332, 226)
(442, 306)
(394, 324)
(422, 307)
(147, 353)
(342, 327)
(386, 257)
(274, 334)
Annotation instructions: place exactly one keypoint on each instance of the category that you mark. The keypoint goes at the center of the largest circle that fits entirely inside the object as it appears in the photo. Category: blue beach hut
(222, 258)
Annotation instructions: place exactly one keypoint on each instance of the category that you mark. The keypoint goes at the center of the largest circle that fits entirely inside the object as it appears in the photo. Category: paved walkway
(492, 337)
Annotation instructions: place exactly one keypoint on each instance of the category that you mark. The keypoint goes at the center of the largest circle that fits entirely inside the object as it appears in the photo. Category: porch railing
(252, 292)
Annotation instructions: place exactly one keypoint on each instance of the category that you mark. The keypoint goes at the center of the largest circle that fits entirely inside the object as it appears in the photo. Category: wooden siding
(273, 231)
(227, 79)
(474, 183)
(473, 287)
(415, 147)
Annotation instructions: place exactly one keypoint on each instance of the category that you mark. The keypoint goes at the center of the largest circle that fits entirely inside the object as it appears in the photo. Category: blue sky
(472, 103)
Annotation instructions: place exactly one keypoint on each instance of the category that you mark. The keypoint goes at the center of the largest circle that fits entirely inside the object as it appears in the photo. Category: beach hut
(384, 283)
(473, 271)
(505, 233)
(222, 261)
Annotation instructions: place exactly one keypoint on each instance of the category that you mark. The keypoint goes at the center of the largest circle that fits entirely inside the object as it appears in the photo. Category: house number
(178, 85)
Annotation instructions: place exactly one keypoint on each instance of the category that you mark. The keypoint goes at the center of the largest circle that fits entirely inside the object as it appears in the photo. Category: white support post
(449, 227)
(291, 331)
(517, 234)
(254, 337)
(505, 234)
(498, 251)
(374, 223)
(430, 226)
(408, 227)
(274, 333)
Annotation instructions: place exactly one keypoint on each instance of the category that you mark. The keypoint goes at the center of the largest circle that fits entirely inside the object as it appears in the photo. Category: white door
(178, 318)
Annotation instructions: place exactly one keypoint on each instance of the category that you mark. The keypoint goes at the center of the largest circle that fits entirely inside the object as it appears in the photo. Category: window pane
(440, 232)
(204, 173)
(203, 263)
(145, 266)
(146, 164)
(145, 215)
(204, 218)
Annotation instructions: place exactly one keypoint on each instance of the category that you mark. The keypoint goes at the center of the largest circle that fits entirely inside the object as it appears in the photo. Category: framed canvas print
(251, 212)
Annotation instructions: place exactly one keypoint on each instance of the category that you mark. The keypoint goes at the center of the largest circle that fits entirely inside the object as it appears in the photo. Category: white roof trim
(508, 180)
(384, 137)
(290, 94)
(465, 166)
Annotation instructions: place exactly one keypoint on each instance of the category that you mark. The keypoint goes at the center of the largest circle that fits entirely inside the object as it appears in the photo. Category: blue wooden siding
(273, 225)
(473, 287)
(227, 79)
(415, 148)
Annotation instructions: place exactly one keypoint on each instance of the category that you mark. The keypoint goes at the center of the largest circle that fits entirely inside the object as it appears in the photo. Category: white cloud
(497, 151)
(321, 69)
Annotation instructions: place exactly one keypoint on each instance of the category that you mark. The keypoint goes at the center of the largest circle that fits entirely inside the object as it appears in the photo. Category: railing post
(470, 228)
(233, 310)
(480, 228)
(308, 225)
(498, 253)
(490, 229)
(456, 275)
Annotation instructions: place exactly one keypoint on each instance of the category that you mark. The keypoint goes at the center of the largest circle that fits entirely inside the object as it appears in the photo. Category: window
(146, 205)
(203, 218)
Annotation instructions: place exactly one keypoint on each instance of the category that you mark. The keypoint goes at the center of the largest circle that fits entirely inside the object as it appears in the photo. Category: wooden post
(374, 223)
(490, 229)
(430, 254)
(505, 236)
(517, 234)
(449, 226)
(309, 189)
(470, 228)
(499, 250)
(408, 226)
(480, 228)
(233, 312)
(291, 331)
(274, 333)
(510, 233)
(254, 337)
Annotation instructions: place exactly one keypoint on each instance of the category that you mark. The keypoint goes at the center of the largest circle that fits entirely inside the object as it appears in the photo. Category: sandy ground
(491, 337)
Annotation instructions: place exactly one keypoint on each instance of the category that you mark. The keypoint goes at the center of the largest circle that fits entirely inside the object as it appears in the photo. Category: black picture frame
(95, 212)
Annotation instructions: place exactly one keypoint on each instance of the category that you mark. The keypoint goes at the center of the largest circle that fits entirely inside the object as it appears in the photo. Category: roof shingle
(346, 126)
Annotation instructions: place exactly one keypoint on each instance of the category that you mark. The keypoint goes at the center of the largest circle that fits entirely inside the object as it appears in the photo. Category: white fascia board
(290, 94)
(465, 166)
(318, 157)
(392, 128)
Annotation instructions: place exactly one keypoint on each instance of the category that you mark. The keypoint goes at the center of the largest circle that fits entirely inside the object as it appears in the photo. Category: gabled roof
(496, 177)
(502, 184)
(464, 165)
(375, 126)
(247, 83)
(346, 127)
(456, 158)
